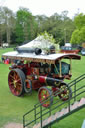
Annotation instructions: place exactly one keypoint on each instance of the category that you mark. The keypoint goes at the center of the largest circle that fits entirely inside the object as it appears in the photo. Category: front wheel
(65, 92)
(45, 97)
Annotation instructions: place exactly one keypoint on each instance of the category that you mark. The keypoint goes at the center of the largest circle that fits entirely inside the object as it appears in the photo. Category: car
(68, 49)
(79, 48)
(83, 52)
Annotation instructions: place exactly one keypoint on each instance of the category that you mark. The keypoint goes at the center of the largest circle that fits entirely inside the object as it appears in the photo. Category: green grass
(4, 50)
(12, 108)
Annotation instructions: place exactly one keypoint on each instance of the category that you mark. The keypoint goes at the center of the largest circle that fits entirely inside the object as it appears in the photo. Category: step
(74, 106)
(52, 118)
(60, 113)
(82, 102)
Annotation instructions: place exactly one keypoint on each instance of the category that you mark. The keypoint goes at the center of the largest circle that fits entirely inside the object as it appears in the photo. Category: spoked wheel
(28, 86)
(66, 92)
(45, 94)
(16, 79)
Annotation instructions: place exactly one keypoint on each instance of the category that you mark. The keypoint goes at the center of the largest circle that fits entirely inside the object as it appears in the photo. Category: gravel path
(13, 125)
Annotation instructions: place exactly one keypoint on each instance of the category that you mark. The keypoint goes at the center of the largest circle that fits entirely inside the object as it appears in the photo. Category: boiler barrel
(37, 51)
(49, 81)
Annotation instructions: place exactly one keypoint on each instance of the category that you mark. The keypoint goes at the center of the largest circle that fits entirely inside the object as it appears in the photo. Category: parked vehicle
(83, 45)
(83, 52)
(79, 48)
(65, 49)
(36, 70)
(5, 45)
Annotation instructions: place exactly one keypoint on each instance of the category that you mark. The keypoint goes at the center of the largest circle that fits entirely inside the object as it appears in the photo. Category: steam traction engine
(38, 71)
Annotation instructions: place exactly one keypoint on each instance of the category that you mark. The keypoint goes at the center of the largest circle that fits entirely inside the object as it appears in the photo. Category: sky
(47, 7)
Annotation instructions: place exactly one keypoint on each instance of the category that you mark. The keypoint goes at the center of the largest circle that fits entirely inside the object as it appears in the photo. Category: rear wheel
(65, 92)
(16, 79)
(45, 97)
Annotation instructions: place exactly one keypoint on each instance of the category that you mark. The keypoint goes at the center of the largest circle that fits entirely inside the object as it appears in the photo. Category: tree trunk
(8, 35)
(0, 35)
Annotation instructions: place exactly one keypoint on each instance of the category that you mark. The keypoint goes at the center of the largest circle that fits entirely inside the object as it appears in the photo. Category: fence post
(69, 105)
(35, 113)
(50, 114)
(23, 122)
(41, 114)
(75, 91)
(50, 111)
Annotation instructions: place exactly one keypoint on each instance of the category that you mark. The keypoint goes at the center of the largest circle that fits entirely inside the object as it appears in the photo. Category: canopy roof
(38, 42)
(51, 58)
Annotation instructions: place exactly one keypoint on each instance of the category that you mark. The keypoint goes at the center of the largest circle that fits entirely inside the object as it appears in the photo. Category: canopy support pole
(60, 67)
(70, 67)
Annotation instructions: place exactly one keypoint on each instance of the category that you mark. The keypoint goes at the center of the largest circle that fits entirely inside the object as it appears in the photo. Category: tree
(25, 25)
(79, 21)
(78, 36)
(47, 39)
(61, 27)
(82, 34)
(7, 21)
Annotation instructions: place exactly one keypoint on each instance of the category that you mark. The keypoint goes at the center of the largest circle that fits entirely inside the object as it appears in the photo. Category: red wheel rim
(15, 83)
(64, 92)
(43, 95)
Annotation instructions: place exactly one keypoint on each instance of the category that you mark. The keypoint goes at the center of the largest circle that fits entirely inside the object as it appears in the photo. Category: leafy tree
(75, 39)
(82, 34)
(47, 39)
(78, 36)
(61, 27)
(79, 21)
(7, 21)
(25, 25)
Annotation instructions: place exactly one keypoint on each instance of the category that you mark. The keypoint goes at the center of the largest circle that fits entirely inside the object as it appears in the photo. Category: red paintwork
(36, 84)
(43, 94)
(14, 78)
(55, 90)
(42, 79)
(28, 69)
(70, 51)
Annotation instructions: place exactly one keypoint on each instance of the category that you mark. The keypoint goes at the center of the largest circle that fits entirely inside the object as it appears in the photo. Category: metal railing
(41, 113)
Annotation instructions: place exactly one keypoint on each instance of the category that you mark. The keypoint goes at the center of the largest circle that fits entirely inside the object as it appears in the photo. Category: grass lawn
(12, 108)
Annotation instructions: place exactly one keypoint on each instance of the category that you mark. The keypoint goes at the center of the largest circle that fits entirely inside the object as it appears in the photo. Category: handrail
(40, 114)
(76, 79)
